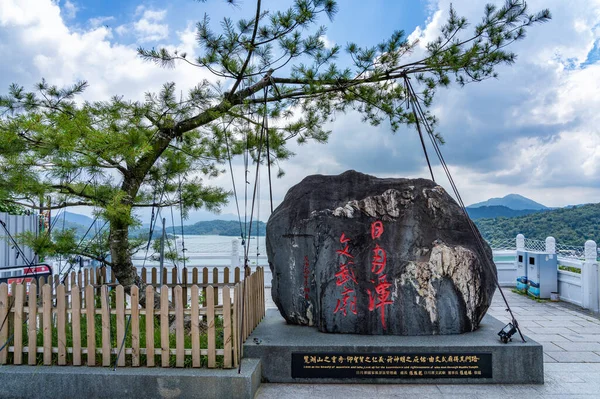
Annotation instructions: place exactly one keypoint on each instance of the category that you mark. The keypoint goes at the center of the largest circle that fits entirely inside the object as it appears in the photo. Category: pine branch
(58, 206)
(251, 48)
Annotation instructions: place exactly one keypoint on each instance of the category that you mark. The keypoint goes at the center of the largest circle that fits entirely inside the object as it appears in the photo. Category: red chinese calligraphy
(376, 229)
(345, 274)
(344, 277)
(345, 251)
(342, 305)
(381, 297)
(379, 260)
(306, 275)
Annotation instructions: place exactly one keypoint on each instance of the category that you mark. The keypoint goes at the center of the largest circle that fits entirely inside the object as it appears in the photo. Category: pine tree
(118, 155)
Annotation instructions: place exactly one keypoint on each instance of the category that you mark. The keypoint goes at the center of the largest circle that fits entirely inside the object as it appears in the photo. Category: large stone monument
(358, 254)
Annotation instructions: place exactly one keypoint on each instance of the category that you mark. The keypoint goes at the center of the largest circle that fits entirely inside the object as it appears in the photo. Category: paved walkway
(571, 340)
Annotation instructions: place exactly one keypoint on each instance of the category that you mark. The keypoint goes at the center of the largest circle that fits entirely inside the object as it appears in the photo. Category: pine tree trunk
(122, 265)
(126, 272)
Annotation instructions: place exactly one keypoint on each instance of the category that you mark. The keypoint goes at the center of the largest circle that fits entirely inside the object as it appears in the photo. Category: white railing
(506, 266)
(535, 245)
(579, 285)
(570, 285)
(504, 244)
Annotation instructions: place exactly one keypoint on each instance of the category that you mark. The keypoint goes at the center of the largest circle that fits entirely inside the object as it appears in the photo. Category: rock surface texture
(357, 254)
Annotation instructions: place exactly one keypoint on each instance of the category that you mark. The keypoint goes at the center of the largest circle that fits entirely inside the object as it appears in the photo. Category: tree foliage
(119, 155)
(251, 54)
(12, 208)
(90, 154)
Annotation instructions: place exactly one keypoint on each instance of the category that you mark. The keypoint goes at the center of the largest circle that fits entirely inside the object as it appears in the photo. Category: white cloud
(121, 29)
(534, 131)
(35, 36)
(98, 21)
(148, 28)
(70, 9)
(328, 43)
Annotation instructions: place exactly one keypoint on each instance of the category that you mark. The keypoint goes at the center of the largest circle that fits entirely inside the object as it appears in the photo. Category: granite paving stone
(552, 347)
(581, 337)
(551, 330)
(548, 358)
(555, 323)
(407, 389)
(593, 327)
(565, 317)
(578, 346)
(483, 390)
(576, 357)
(548, 337)
(567, 377)
(530, 323)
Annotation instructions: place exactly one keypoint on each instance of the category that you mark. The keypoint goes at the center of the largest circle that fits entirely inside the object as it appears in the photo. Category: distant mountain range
(511, 201)
(81, 224)
(75, 218)
(504, 218)
(210, 227)
(570, 226)
(485, 212)
(496, 218)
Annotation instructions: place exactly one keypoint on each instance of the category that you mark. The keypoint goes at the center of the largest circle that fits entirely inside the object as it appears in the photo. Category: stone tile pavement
(570, 337)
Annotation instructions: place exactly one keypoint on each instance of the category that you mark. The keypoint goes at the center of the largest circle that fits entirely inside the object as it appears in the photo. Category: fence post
(550, 245)
(235, 253)
(520, 242)
(589, 277)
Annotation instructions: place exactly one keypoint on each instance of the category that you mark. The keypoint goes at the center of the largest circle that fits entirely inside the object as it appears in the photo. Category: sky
(533, 131)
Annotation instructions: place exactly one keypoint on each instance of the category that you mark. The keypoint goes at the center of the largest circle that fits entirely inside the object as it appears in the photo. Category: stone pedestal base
(298, 354)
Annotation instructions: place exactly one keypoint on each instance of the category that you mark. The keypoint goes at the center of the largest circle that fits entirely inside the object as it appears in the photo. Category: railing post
(520, 242)
(550, 245)
(235, 253)
(589, 277)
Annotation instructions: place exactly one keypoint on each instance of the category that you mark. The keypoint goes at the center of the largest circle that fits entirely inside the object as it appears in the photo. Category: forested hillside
(222, 228)
(495, 211)
(571, 226)
(213, 227)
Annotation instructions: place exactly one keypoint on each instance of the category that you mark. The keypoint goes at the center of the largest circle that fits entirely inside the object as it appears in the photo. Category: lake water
(218, 249)
(215, 245)
(220, 244)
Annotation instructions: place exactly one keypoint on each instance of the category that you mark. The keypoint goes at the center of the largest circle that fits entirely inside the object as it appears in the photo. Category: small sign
(24, 275)
(391, 365)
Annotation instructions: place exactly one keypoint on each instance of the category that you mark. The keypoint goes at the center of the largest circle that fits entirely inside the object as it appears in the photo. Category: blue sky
(389, 14)
(534, 131)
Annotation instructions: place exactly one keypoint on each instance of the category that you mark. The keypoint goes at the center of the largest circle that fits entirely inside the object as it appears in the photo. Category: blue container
(542, 274)
(522, 282)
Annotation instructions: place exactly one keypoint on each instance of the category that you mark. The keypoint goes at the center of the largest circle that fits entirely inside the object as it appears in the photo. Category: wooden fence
(181, 325)
(151, 275)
